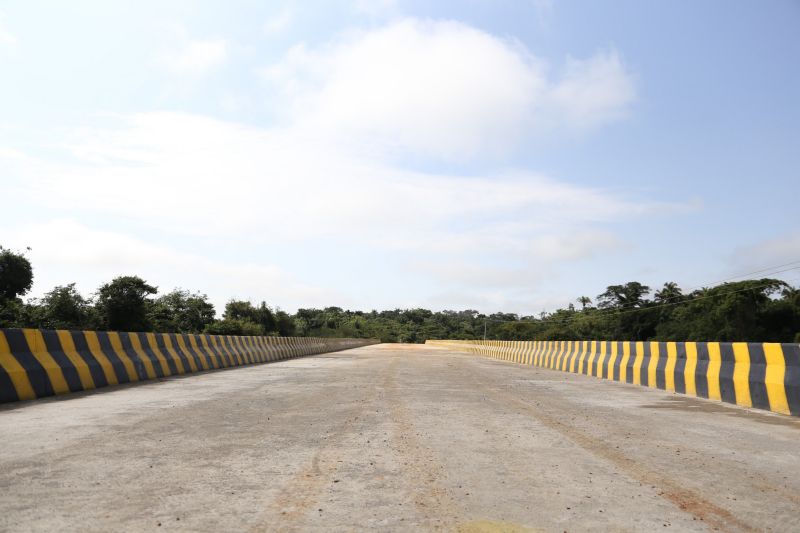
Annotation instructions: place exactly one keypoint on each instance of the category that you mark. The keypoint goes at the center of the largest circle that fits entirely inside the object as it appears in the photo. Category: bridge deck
(394, 438)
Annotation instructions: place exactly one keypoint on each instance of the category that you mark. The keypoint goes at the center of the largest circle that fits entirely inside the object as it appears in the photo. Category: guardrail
(761, 375)
(36, 363)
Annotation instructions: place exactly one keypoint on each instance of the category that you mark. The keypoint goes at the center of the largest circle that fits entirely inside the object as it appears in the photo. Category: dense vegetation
(750, 310)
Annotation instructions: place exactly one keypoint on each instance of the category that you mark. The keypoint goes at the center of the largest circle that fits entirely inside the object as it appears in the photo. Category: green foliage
(64, 308)
(234, 326)
(181, 311)
(123, 304)
(752, 310)
(246, 311)
(16, 274)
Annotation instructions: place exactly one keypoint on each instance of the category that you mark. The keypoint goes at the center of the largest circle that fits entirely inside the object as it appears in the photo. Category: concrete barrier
(761, 375)
(36, 363)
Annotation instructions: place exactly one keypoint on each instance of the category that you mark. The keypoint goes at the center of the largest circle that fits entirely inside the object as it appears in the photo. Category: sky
(481, 154)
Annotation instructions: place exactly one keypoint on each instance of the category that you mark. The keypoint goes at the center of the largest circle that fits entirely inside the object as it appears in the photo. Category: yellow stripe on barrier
(623, 364)
(184, 348)
(16, 373)
(679, 361)
(146, 361)
(599, 366)
(774, 378)
(94, 348)
(741, 374)
(653, 366)
(592, 355)
(151, 341)
(174, 355)
(689, 371)
(669, 368)
(68, 347)
(712, 374)
(637, 363)
(116, 345)
(37, 346)
(612, 359)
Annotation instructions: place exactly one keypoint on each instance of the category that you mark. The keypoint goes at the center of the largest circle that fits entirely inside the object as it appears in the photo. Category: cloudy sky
(493, 155)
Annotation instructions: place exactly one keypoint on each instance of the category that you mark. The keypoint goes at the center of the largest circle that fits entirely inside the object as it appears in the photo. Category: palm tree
(584, 301)
(670, 293)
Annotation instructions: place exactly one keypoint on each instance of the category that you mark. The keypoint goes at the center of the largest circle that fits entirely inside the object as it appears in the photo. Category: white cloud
(6, 37)
(279, 22)
(65, 251)
(375, 8)
(11, 153)
(196, 57)
(329, 177)
(443, 89)
(185, 157)
(593, 91)
(201, 178)
(782, 251)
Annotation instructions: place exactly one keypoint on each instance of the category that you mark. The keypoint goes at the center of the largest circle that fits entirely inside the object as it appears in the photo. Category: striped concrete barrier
(761, 375)
(36, 363)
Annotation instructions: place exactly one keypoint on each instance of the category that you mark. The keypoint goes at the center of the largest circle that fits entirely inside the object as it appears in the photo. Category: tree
(233, 326)
(623, 296)
(284, 323)
(585, 301)
(16, 274)
(123, 304)
(64, 308)
(261, 316)
(670, 293)
(182, 312)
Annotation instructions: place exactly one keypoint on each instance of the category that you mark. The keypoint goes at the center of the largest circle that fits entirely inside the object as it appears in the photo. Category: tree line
(750, 310)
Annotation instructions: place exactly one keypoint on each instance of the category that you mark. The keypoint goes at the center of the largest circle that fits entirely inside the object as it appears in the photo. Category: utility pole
(484, 330)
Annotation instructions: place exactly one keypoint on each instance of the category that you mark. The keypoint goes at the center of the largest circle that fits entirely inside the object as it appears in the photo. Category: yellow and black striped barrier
(35, 363)
(761, 375)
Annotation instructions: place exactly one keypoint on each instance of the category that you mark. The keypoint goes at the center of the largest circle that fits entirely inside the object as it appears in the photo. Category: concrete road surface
(394, 438)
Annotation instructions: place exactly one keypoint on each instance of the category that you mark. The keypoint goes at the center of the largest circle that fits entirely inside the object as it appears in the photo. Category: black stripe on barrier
(644, 374)
(162, 347)
(758, 373)
(8, 393)
(726, 386)
(215, 358)
(262, 348)
(600, 362)
(111, 355)
(203, 362)
(243, 349)
(95, 369)
(138, 364)
(791, 380)
(54, 348)
(185, 358)
(226, 347)
(661, 377)
(701, 373)
(197, 350)
(222, 360)
(615, 369)
(226, 355)
(150, 354)
(37, 375)
(680, 368)
(629, 370)
(192, 361)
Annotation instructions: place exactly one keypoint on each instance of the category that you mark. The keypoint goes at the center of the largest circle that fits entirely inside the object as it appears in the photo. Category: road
(394, 437)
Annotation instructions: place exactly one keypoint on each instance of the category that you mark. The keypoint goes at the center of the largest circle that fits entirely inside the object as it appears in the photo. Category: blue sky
(489, 155)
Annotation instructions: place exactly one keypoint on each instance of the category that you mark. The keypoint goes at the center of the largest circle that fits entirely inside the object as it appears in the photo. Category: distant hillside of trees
(751, 310)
